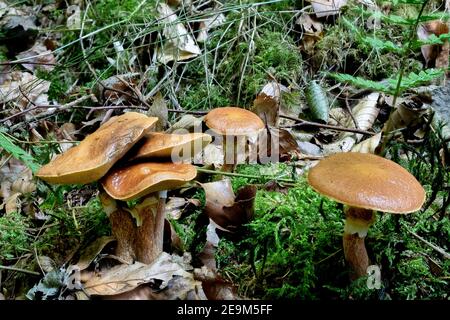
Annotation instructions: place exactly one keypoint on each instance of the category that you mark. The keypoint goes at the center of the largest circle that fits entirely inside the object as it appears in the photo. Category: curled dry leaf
(365, 114)
(40, 58)
(267, 108)
(124, 278)
(73, 13)
(224, 208)
(435, 54)
(92, 251)
(208, 24)
(312, 29)
(121, 83)
(175, 206)
(369, 145)
(159, 110)
(34, 88)
(279, 141)
(408, 113)
(214, 286)
(15, 179)
(179, 44)
(325, 8)
(186, 123)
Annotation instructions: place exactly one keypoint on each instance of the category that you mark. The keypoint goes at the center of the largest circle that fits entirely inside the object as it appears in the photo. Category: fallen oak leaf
(92, 251)
(123, 278)
(227, 210)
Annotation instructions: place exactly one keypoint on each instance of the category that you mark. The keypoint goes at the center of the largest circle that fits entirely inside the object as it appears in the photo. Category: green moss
(14, 238)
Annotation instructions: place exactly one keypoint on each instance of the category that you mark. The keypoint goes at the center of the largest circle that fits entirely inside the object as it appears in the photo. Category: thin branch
(249, 176)
(433, 246)
(20, 270)
(324, 126)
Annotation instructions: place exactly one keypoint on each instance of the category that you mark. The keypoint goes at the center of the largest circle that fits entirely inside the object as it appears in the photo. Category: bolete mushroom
(173, 146)
(98, 152)
(233, 123)
(365, 183)
(142, 241)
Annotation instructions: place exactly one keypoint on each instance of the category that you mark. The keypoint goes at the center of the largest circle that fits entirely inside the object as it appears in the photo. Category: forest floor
(362, 76)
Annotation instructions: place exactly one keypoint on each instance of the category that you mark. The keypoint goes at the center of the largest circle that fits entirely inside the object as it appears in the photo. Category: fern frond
(413, 80)
(17, 152)
(361, 82)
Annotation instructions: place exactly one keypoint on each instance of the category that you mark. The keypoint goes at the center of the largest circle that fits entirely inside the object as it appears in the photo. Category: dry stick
(20, 270)
(233, 174)
(435, 247)
(349, 110)
(324, 126)
(61, 108)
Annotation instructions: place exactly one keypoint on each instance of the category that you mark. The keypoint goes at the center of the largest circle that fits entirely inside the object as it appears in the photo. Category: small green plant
(14, 237)
(400, 82)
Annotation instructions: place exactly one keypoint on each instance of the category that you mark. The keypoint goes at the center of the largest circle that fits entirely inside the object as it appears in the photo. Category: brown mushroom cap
(97, 153)
(367, 181)
(233, 121)
(137, 180)
(161, 145)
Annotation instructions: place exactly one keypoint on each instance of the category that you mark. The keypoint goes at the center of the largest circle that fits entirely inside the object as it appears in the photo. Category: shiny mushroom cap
(367, 181)
(165, 145)
(137, 180)
(97, 153)
(233, 121)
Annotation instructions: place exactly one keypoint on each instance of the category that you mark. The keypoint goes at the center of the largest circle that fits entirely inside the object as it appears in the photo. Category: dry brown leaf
(434, 54)
(159, 110)
(186, 123)
(224, 208)
(325, 8)
(179, 44)
(15, 179)
(365, 114)
(214, 286)
(73, 13)
(212, 154)
(369, 145)
(175, 206)
(312, 32)
(34, 88)
(279, 141)
(267, 108)
(40, 56)
(92, 251)
(124, 278)
(121, 83)
(208, 24)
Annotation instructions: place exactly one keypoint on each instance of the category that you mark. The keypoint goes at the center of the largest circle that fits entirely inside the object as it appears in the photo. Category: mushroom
(98, 152)
(231, 123)
(365, 183)
(175, 146)
(142, 241)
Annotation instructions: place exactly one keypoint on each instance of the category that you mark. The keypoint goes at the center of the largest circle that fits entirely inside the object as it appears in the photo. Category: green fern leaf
(17, 152)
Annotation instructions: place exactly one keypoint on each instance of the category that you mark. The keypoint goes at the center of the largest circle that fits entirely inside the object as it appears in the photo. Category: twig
(433, 246)
(233, 174)
(199, 113)
(51, 112)
(83, 50)
(349, 110)
(324, 126)
(20, 270)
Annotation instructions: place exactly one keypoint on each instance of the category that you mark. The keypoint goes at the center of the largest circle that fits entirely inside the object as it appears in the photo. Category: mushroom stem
(122, 227)
(139, 231)
(159, 221)
(228, 149)
(357, 224)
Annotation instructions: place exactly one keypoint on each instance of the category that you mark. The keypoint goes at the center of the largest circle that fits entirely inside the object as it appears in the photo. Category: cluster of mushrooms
(132, 162)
